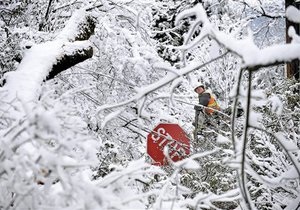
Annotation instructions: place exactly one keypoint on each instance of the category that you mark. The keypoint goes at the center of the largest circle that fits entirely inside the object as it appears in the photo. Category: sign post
(171, 135)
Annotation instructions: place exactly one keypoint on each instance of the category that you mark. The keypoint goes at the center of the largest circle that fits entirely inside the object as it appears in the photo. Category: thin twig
(282, 146)
(244, 146)
(235, 104)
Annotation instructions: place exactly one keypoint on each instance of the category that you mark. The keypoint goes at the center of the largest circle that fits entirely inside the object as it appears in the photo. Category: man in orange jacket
(206, 99)
(209, 106)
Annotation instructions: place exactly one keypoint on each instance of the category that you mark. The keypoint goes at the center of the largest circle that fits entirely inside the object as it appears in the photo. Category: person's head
(199, 89)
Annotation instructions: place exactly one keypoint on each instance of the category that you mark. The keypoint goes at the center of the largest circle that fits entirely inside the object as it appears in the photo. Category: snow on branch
(172, 75)
(46, 60)
(293, 14)
(80, 27)
(252, 56)
(74, 53)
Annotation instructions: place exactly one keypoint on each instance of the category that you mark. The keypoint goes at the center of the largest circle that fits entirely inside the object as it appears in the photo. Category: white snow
(249, 52)
(48, 121)
(71, 29)
(293, 14)
(276, 104)
(24, 84)
(222, 139)
(109, 117)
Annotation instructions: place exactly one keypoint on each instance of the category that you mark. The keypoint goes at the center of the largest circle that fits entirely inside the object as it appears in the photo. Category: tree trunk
(292, 68)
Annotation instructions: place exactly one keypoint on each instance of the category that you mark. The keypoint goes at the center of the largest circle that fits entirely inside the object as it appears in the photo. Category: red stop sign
(171, 135)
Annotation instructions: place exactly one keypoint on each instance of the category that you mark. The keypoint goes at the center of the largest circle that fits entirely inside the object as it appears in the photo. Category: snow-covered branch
(252, 56)
(172, 75)
(46, 60)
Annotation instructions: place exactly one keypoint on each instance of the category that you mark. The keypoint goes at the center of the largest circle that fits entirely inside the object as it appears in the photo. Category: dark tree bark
(70, 60)
(292, 68)
(84, 31)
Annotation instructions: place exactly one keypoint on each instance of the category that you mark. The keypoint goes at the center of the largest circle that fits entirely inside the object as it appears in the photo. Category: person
(208, 108)
(206, 99)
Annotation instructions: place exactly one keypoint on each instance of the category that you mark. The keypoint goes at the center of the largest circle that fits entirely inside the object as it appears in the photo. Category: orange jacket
(212, 103)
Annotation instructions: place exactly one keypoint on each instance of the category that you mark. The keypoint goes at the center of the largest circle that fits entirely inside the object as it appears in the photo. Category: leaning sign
(171, 135)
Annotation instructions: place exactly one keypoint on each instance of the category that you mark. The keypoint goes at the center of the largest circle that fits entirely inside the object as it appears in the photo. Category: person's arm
(204, 99)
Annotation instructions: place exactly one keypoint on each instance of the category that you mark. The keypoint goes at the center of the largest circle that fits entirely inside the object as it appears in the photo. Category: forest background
(83, 83)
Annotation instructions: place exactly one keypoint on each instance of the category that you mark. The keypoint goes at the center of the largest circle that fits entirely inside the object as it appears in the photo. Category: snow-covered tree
(73, 135)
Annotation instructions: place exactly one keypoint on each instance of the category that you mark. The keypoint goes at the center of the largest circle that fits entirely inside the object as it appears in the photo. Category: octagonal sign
(171, 135)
